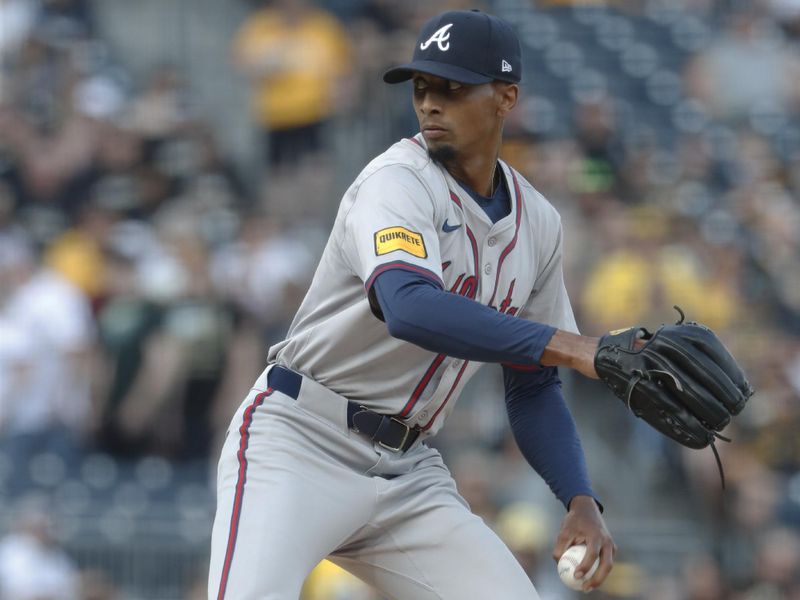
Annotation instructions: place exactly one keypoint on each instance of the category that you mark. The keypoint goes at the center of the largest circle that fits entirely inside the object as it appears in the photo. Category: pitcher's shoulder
(532, 198)
(406, 157)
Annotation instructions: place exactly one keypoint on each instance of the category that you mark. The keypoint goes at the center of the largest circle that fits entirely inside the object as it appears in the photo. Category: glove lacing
(716, 456)
(714, 433)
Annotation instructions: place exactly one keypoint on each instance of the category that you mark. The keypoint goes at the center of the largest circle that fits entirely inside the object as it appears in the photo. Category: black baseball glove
(680, 379)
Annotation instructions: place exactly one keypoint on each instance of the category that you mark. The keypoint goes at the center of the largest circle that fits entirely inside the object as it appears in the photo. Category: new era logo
(505, 67)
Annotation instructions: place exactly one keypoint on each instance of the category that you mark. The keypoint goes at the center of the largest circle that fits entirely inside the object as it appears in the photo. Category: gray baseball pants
(296, 485)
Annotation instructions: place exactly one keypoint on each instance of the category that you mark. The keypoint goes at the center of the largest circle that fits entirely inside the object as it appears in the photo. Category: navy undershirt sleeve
(545, 431)
(416, 310)
(443, 322)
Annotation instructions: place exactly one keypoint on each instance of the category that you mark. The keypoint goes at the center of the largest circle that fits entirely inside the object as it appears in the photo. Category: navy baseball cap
(467, 46)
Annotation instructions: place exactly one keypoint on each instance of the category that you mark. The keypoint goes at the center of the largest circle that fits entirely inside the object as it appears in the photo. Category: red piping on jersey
(471, 236)
(450, 393)
(233, 531)
(422, 385)
(417, 142)
(503, 255)
(440, 357)
(399, 264)
(513, 241)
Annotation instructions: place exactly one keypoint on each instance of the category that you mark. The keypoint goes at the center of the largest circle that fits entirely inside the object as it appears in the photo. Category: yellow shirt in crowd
(295, 66)
(625, 287)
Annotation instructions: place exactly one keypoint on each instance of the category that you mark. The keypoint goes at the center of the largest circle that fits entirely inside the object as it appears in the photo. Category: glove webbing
(639, 375)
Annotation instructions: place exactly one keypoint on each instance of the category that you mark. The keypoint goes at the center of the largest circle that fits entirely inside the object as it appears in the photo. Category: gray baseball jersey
(303, 484)
(404, 210)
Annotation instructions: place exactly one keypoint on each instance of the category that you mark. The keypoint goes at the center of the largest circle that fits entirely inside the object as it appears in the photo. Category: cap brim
(453, 73)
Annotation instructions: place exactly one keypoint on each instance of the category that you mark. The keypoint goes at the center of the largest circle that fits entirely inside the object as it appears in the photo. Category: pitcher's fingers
(564, 541)
(592, 552)
(604, 568)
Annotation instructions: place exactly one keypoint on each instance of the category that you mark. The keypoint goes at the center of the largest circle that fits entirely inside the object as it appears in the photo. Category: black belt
(388, 431)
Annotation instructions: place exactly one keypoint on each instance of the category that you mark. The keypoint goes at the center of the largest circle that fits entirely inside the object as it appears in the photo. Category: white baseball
(569, 561)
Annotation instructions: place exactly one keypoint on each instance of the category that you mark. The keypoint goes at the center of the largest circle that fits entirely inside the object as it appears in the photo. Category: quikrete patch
(399, 238)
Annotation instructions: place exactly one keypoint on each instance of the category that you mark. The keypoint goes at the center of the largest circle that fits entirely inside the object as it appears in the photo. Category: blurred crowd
(144, 272)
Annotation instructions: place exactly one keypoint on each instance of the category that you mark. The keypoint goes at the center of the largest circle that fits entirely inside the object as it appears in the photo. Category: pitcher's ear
(507, 96)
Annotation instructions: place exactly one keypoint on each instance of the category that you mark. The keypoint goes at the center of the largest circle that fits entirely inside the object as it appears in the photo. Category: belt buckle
(402, 442)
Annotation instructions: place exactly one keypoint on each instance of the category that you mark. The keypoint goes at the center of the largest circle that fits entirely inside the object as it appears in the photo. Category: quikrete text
(399, 235)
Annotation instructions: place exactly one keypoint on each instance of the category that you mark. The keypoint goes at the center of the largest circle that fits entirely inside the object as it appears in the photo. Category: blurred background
(169, 171)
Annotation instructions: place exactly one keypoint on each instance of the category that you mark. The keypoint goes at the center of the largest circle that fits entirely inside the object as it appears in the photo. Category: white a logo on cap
(505, 67)
(441, 37)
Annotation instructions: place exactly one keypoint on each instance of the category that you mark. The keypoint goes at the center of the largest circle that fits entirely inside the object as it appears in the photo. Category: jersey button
(423, 414)
(492, 242)
(487, 269)
(456, 364)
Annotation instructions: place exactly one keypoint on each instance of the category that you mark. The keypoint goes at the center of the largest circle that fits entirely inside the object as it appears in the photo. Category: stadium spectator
(51, 401)
(178, 341)
(260, 276)
(32, 564)
(775, 564)
(296, 57)
(78, 253)
(703, 578)
(600, 170)
(658, 264)
(162, 108)
(747, 69)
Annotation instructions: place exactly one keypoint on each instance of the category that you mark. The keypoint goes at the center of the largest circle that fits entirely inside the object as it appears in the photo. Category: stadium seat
(47, 469)
(99, 471)
(154, 473)
(564, 59)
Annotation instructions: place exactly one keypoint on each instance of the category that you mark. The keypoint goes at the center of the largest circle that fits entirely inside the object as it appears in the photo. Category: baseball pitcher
(441, 258)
